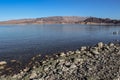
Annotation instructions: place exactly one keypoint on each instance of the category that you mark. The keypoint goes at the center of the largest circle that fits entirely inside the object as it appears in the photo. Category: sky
(18, 9)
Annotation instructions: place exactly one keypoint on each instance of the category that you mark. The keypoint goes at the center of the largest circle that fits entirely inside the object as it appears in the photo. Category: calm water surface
(23, 41)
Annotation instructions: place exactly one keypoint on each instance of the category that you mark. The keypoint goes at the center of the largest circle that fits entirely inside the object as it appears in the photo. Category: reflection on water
(23, 41)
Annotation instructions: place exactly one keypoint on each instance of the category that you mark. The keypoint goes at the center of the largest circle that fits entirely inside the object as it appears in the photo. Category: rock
(65, 69)
(67, 53)
(33, 58)
(73, 66)
(43, 62)
(77, 52)
(111, 44)
(34, 67)
(39, 55)
(78, 60)
(62, 54)
(68, 64)
(62, 60)
(26, 69)
(21, 72)
(83, 48)
(19, 76)
(100, 44)
(33, 75)
(13, 61)
(3, 62)
(70, 53)
(116, 32)
(46, 68)
(95, 52)
(1, 67)
(15, 76)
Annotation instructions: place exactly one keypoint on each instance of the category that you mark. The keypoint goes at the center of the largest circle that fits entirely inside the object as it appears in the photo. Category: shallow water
(23, 41)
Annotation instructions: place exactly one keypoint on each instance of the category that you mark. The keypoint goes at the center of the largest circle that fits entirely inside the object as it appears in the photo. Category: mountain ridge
(64, 20)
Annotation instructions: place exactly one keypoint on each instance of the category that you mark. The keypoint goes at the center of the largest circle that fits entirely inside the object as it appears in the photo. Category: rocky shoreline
(100, 62)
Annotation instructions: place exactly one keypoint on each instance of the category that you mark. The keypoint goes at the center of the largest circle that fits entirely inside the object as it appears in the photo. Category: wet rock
(116, 32)
(77, 52)
(100, 44)
(26, 69)
(13, 61)
(3, 63)
(1, 67)
(71, 52)
(111, 44)
(33, 58)
(62, 54)
(83, 48)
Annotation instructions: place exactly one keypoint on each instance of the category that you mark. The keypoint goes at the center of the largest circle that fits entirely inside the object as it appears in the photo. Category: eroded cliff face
(64, 20)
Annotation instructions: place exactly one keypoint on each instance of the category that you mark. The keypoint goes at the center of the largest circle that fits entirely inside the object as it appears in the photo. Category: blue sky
(17, 9)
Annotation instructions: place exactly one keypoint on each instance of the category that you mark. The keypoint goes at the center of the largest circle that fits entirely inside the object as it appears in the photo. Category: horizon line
(57, 16)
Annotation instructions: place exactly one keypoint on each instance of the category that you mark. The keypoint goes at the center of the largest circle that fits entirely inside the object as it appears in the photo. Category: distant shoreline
(92, 24)
(64, 20)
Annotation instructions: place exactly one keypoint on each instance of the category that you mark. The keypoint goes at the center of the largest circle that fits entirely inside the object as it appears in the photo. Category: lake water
(23, 41)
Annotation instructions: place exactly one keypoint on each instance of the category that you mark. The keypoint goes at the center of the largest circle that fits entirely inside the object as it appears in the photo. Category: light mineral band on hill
(100, 62)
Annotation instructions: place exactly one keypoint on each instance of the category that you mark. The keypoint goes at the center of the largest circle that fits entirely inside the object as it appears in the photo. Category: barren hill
(64, 20)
